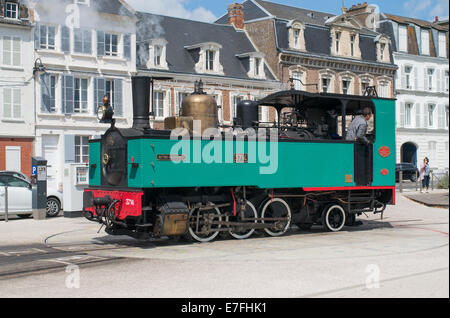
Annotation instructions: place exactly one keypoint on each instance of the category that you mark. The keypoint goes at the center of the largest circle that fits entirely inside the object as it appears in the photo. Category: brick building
(336, 54)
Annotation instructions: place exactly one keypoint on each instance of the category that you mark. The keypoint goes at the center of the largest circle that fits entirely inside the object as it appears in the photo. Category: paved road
(404, 255)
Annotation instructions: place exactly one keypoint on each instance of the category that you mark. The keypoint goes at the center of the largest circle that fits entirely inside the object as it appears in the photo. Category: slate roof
(180, 33)
(421, 23)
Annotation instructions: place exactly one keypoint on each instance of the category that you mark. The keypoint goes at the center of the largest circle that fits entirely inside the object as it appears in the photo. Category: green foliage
(443, 183)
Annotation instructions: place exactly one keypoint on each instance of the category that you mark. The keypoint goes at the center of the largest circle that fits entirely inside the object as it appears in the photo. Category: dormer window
(296, 36)
(425, 42)
(157, 58)
(207, 57)
(383, 49)
(254, 64)
(11, 11)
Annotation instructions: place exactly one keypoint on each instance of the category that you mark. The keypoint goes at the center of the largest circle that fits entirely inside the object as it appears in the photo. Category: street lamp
(38, 67)
(297, 79)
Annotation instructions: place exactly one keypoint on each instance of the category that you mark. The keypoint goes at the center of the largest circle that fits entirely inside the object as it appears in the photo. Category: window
(258, 62)
(326, 84)
(158, 104)
(408, 114)
(352, 44)
(181, 96)
(382, 51)
(338, 38)
(442, 45)
(237, 100)
(383, 90)
(111, 44)
(431, 109)
(408, 71)
(81, 149)
(364, 85)
(80, 95)
(425, 42)
(11, 51)
(12, 103)
(346, 87)
(158, 54)
(110, 87)
(298, 79)
(82, 41)
(47, 37)
(11, 10)
(403, 38)
(210, 60)
(296, 38)
(430, 75)
(48, 89)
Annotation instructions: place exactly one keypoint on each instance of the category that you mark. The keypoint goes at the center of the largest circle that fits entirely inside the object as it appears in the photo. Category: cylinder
(141, 102)
(247, 114)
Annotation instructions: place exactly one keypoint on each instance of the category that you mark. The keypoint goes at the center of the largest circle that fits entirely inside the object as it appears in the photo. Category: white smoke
(173, 8)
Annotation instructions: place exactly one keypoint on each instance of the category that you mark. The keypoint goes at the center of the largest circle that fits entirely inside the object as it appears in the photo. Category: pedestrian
(425, 175)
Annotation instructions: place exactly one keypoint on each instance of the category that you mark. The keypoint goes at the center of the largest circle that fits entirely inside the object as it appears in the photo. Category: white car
(20, 196)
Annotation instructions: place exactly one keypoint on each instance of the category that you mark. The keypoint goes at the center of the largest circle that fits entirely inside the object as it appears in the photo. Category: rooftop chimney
(236, 15)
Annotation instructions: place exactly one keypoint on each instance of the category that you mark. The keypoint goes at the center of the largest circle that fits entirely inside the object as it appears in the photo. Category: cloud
(173, 8)
(426, 9)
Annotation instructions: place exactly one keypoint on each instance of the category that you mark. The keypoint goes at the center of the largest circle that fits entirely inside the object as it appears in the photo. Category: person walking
(425, 172)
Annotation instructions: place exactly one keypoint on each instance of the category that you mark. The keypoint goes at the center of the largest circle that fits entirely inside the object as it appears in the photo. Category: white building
(89, 50)
(16, 87)
(422, 89)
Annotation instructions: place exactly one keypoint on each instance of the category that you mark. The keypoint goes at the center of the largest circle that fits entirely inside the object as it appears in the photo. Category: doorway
(409, 153)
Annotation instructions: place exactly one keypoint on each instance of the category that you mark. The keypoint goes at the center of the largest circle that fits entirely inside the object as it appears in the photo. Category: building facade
(88, 49)
(421, 51)
(222, 56)
(16, 87)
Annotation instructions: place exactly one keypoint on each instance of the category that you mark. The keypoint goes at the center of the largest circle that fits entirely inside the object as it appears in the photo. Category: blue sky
(208, 10)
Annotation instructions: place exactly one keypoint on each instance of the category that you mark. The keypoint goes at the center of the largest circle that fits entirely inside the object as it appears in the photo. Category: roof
(421, 23)
(181, 33)
(293, 13)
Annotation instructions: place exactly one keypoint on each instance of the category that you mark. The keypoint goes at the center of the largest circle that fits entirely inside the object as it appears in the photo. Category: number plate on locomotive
(241, 158)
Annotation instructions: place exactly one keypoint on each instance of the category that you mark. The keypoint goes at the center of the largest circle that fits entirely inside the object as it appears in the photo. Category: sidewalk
(436, 198)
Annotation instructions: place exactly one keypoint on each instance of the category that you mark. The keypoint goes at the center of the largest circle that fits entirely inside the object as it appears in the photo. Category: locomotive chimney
(141, 102)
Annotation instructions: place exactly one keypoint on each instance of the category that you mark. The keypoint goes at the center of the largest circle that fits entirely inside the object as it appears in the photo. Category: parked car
(410, 172)
(20, 195)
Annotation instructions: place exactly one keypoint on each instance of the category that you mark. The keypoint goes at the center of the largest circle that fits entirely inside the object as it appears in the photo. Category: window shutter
(45, 93)
(416, 78)
(127, 46)
(418, 115)
(99, 92)
(118, 98)
(425, 115)
(438, 80)
(69, 148)
(441, 116)
(65, 39)
(100, 43)
(425, 79)
(402, 115)
(403, 77)
(67, 94)
(77, 41)
(37, 36)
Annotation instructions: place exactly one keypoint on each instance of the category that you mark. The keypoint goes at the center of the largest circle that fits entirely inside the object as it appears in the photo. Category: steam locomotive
(197, 179)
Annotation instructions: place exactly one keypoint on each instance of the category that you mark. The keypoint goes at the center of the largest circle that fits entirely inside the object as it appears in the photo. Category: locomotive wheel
(277, 208)
(333, 218)
(204, 218)
(250, 212)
